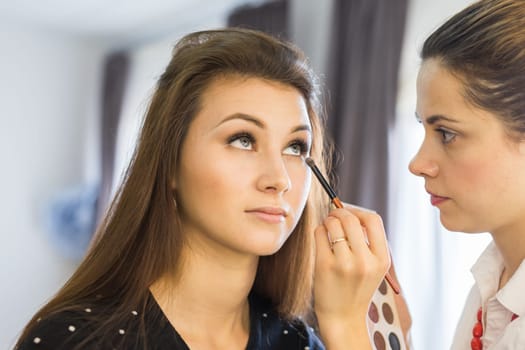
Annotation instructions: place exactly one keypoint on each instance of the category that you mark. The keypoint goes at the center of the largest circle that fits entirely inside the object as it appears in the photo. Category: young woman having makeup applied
(471, 102)
(217, 237)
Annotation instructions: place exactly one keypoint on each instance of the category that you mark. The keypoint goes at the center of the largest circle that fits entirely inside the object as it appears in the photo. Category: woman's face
(473, 171)
(241, 182)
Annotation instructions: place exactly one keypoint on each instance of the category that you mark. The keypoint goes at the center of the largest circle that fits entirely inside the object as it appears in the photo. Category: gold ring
(337, 240)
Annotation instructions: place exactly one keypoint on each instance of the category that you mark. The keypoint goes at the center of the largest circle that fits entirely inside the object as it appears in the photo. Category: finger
(337, 235)
(353, 206)
(375, 231)
(353, 229)
(322, 245)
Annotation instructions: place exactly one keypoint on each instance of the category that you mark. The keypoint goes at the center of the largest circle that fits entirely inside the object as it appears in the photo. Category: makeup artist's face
(241, 183)
(473, 171)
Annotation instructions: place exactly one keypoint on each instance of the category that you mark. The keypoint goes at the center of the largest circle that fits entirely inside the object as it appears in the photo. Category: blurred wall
(48, 98)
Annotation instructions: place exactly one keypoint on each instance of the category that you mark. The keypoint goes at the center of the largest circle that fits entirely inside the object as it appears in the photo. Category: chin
(268, 248)
(460, 226)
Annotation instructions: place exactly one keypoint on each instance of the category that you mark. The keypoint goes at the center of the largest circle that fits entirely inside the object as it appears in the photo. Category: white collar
(487, 273)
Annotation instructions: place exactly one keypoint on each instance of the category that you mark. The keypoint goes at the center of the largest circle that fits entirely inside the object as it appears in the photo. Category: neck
(210, 293)
(511, 245)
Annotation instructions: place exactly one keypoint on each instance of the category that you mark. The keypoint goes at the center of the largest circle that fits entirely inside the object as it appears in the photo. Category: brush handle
(392, 282)
(337, 202)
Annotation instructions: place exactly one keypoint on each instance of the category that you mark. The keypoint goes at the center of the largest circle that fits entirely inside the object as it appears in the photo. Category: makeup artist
(218, 236)
(471, 102)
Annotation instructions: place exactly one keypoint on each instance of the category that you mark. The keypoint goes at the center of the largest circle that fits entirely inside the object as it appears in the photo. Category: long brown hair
(139, 239)
(484, 46)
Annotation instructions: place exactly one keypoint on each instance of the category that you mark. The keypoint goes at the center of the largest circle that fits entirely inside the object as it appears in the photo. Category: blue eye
(446, 136)
(242, 141)
(297, 148)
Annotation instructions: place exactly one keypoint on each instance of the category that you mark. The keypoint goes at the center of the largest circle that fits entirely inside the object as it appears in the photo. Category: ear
(173, 189)
(522, 147)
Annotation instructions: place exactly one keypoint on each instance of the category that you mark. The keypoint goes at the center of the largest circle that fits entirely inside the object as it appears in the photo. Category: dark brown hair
(139, 239)
(484, 46)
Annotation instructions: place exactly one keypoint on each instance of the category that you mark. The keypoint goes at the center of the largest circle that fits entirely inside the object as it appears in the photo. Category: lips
(435, 199)
(269, 214)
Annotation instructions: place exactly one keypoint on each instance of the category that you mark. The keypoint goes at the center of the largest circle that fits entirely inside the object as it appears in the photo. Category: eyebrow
(435, 118)
(259, 123)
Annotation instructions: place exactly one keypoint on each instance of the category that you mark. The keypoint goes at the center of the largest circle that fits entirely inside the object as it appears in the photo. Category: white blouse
(499, 332)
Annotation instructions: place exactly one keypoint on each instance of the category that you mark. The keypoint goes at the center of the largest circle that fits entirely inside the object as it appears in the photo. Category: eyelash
(241, 135)
(304, 148)
(446, 135)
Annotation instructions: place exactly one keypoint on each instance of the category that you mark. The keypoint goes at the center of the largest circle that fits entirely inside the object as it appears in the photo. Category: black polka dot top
(68, 330)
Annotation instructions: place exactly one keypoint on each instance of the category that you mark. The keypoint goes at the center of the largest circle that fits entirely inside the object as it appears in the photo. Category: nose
(274, 176)
(422, 164)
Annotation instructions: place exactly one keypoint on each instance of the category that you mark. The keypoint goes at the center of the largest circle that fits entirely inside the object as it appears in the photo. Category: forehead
(436, 82)
(261, 98)
(439, 91)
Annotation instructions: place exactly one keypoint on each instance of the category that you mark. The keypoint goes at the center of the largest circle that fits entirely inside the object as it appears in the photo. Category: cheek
(471, 173)
(301, 182)
(482, 177)
(215, 179)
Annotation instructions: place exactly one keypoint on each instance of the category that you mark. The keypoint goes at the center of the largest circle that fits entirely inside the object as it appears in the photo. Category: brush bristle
(309, 161)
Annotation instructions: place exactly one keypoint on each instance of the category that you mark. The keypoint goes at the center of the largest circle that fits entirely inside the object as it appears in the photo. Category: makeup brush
(338, 204)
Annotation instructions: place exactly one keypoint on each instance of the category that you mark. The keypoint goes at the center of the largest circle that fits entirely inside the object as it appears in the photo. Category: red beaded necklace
(477, 331)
